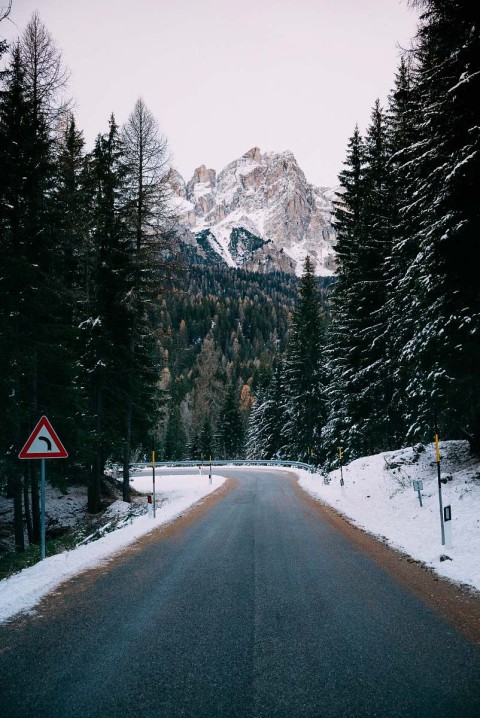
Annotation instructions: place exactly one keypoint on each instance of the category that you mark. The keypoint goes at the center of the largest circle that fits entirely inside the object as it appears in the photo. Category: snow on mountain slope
(259, 213)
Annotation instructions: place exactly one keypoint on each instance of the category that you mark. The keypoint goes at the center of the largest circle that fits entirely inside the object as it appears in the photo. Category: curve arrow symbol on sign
(47, 441)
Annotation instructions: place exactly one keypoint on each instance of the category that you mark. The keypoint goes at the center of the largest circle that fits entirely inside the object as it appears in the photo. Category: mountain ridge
(259, 213)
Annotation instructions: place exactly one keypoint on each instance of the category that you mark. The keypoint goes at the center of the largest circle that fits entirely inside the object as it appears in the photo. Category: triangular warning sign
(43, 443)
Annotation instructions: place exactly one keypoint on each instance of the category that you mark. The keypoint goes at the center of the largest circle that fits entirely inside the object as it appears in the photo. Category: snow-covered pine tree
(342, 354)
(359, 339)
(400, 299)
(304, 410)
(254, 427)
(371, 384)
(443, 347)
(267, 418)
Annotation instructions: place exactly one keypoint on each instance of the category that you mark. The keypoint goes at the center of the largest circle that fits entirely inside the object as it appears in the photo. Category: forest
(86, 243)
(127, 340)
(398, 361)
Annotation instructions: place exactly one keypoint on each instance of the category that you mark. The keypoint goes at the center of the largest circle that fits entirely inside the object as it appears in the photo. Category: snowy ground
(175, 494)
(378, 496)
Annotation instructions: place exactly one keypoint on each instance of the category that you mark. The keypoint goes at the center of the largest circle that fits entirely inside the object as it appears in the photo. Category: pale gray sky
(222, 76)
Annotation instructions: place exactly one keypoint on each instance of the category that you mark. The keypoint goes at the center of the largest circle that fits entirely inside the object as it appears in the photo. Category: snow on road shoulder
(175, 494)
(378, 496)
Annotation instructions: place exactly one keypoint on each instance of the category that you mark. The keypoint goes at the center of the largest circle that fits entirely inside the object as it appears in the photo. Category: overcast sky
(222, 76)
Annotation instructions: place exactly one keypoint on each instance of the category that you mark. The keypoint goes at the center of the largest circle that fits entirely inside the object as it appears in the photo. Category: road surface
(253, 607)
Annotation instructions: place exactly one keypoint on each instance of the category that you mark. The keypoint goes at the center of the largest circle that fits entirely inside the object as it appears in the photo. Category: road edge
(457, 604)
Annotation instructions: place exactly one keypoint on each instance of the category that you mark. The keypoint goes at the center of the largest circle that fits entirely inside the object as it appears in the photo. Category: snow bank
(378, 496)
(175, 494)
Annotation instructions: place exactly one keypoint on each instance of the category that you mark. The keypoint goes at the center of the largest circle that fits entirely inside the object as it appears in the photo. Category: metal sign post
(437, 451)
(42, 510)
(153, 479)
(43, 443)
(418, 486)
(340, 455)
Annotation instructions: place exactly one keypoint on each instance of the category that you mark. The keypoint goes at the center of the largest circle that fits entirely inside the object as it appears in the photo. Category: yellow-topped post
(437, 453)
(153, 478)
(340, 456)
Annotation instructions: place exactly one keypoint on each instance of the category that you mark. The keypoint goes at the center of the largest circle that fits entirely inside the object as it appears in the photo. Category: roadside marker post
(342, 482)
(442, 525)
(340, 455)
(153, 480)
(43, 443)
(210, 472)
(418, 486)
(447, 517)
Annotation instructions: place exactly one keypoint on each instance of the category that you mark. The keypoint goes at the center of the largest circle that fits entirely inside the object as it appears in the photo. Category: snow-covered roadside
(378, 496)
(175, 493)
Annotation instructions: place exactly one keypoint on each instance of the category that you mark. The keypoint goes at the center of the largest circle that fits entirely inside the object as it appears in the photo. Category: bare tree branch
(148, 163)
(45, 75)
(5, 10)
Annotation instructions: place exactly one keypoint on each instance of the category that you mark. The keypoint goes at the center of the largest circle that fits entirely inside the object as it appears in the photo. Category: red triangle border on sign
(43, 424)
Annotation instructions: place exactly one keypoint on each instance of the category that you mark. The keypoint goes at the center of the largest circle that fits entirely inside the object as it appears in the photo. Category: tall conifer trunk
(126, 452)
(34, 488)
(18, 514)
(26, 500)
(96, 469)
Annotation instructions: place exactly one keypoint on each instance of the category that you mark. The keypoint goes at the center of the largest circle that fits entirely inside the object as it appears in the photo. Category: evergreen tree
(264, 440)
(342, 353)
(15, 143)
(441, 225)
(106, 359)
(37, 355)
(207, 440)
(175, 440)
(359, 337)
(398, 304)
(371, 385)
(304, 400)
(71, 216)
(231, 426)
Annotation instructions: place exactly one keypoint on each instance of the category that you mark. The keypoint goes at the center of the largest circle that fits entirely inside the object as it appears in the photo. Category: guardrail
(225, 462)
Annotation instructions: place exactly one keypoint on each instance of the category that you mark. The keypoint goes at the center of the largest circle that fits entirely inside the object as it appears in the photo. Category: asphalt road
(255, 607)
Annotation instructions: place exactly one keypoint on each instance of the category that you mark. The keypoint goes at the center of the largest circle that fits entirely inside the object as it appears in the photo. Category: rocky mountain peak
(203, 175)
(260, 213)
(253, 154)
